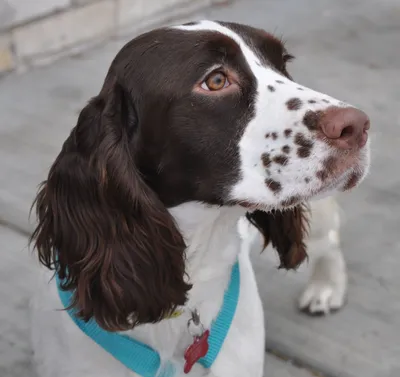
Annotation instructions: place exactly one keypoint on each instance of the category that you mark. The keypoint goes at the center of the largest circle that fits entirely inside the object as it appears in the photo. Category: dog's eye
(215, 81)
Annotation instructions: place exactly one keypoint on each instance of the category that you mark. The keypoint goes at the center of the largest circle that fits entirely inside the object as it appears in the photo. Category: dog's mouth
(339, 172)
(345, 177)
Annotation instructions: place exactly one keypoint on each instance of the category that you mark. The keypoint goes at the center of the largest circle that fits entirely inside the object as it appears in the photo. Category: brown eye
(216, 81)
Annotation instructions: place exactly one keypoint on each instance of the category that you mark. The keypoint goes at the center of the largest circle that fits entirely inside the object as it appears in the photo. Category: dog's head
(201, 112)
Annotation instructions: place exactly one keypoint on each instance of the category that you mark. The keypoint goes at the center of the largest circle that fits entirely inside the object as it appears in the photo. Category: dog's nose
(346, 127)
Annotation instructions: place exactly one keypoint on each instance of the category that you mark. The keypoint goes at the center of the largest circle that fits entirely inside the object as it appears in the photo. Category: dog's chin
(344, 182)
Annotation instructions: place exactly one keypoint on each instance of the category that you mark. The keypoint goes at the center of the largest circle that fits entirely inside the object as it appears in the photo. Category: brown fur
(286, 231)
(104, 230)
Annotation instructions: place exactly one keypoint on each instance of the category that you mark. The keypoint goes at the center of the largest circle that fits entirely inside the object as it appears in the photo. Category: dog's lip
(344, 182)
(253, 206)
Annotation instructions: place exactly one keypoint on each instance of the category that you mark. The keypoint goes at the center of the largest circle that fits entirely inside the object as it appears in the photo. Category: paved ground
(348, 48)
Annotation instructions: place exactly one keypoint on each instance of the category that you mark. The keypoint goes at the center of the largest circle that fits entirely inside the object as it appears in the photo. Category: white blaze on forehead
(250, 56)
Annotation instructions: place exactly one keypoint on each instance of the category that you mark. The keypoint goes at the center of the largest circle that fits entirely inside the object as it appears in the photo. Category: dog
(198, 140)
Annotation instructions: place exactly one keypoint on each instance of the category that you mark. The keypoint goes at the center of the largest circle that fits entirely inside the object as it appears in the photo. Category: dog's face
(201, 112)
(222, 121)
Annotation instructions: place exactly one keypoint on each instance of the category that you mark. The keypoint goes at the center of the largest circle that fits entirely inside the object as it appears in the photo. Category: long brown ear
(103, 230)
(286, 230)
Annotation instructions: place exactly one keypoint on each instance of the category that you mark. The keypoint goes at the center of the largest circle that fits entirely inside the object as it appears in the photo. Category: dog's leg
(327, 286)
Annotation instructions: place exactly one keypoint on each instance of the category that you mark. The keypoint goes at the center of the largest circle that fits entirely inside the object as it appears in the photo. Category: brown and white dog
(195, 126)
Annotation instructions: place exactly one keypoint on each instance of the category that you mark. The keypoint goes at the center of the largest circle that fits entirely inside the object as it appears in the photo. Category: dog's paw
(321, 298)
(326, 290)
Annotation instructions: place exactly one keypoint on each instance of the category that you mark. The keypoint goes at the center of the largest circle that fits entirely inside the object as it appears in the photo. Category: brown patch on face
(307, 180)
(287, 132)
(273, 185)
(312, 101)
(281, 159)
(291, 201)
(271, 88)
(286, 149)
(267, 135)
(266, 160)
(279, 81)
(294, 104)
(274, 135)
(352, 182)
(311, 119)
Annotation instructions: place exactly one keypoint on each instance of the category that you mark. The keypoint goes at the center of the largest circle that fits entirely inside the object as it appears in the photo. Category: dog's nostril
(347, 132)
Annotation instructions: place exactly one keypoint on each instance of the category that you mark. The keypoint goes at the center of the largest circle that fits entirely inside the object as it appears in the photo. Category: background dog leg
(327, 287)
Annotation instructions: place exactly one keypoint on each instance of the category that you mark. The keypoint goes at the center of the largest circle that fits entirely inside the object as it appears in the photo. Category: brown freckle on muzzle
(305, 145)
(301, 140)
(330, 163)
(311, 119)
(271, 88)
(279, 81)
(266, 160)
(281, 160)
(288, 132)
(303, 152)
(274, 135)
(322, 175)
(273, 185)
(286, 149)
(352, 182)
(294, 104)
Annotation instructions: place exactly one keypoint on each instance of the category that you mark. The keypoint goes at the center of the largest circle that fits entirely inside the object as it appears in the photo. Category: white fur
(214, 244)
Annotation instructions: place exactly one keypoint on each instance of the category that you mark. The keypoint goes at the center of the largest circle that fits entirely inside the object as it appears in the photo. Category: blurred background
(53, 57)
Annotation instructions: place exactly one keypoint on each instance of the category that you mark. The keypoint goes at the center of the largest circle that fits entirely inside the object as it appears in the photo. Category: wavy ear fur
(103, 230)
(286, 230)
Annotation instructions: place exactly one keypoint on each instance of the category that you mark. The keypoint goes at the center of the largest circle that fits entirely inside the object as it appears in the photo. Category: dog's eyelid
(211, 70)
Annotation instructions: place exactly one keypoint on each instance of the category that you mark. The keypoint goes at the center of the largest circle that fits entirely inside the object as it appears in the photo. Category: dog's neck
(210, 233)
(213, 246)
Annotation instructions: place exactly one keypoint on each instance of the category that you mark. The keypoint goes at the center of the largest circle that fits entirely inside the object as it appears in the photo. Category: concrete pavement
(346, 48)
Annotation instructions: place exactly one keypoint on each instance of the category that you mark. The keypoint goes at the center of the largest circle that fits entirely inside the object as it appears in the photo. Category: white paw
(326, 290)
(321, 298)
